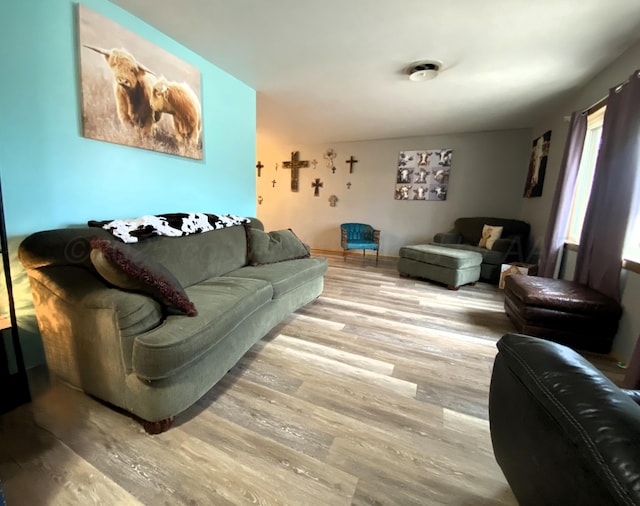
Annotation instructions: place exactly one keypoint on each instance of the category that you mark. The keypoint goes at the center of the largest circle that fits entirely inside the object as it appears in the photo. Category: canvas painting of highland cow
(136, 93)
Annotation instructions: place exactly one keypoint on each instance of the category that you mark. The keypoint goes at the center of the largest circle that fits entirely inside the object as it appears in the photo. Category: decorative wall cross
(273, 183)
(349, 185)
(259, 167)
(329, 155)
(295, 165)
(351, 161)
(317, 184)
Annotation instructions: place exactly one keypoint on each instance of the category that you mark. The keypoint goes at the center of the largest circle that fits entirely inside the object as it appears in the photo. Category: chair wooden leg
(377, 251)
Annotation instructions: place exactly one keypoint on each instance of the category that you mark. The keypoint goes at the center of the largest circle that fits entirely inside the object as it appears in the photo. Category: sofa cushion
(276, 246)
(197, 257)
(488, 256)
(285, 276)
(224, 302)
(452, 258)
(126, 268)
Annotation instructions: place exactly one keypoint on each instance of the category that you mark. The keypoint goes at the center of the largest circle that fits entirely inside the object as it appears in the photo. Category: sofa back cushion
(194, 258)
(471, 229)
(190, 259)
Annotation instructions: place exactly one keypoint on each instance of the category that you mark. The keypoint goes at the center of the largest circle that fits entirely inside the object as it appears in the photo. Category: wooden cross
(295, 165)
(259, 167)
(317, 185)
(351, 161)
(273, 183)
(349, 185)
(333, 169)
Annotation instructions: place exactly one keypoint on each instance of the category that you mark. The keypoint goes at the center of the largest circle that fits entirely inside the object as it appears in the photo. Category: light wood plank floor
(374, 394)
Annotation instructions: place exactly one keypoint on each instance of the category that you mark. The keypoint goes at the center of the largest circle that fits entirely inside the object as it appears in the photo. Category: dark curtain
(612, 201)
(561, 206)
(632, 376)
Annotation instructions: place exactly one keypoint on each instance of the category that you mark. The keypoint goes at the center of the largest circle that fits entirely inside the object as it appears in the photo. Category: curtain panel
(614, 192)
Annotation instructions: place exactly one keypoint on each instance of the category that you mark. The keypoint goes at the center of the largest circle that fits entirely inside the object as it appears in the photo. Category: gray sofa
(139, 352)
(512, 246)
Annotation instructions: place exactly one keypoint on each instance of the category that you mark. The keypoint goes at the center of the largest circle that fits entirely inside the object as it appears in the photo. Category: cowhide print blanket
(172, 224)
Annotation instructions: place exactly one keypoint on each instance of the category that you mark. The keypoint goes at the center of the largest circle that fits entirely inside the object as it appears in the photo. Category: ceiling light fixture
(423, 71)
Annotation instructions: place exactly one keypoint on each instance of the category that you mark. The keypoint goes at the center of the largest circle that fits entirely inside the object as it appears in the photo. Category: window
(585, 174)
(583, 189)
(632, 247)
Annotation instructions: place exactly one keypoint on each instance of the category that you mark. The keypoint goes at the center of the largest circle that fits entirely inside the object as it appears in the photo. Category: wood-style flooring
(374, 394)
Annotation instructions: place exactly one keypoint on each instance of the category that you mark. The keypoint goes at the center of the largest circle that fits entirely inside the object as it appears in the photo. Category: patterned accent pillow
(489, 236)
(276, 246)
(129, 269)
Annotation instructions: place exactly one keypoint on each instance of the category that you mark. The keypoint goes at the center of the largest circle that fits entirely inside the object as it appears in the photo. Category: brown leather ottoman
(563, 311)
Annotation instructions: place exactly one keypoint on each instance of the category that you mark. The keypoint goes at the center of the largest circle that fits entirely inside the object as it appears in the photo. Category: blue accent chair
(359, 236)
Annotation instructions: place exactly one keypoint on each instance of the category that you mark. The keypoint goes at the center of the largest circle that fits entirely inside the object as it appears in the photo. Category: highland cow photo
(134, 92)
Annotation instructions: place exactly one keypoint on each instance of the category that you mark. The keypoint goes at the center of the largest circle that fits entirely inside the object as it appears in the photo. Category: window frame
(586, 172)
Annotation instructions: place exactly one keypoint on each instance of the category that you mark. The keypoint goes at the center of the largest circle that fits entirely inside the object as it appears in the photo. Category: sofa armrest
(447, 238)
(562, 432)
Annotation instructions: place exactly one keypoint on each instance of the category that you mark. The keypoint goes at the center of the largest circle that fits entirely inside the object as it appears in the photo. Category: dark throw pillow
(129, 269)
(276, 246)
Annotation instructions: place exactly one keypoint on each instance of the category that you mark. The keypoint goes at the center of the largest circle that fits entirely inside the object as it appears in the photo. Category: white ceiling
(334, 70)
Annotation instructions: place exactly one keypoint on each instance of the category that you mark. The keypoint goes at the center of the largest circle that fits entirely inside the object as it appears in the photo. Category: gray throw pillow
(276, 246)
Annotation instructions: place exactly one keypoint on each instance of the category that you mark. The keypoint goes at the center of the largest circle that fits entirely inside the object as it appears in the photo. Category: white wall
(487, 179)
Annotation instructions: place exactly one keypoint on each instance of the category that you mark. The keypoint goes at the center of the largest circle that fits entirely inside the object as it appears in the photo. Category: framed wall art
(423, 174)
(134, 92)
(537, 165)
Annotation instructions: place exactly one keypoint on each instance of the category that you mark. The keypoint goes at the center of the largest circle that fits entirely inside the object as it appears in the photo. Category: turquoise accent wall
(53, 177)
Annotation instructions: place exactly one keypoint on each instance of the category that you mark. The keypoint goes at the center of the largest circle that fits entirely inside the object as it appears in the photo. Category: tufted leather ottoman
(452, 267)
(563, 311)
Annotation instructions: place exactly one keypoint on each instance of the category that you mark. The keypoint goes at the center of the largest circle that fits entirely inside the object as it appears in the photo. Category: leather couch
(512, 245)
(562, 432)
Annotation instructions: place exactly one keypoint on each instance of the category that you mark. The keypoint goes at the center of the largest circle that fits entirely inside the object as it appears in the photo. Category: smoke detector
(424, 70)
